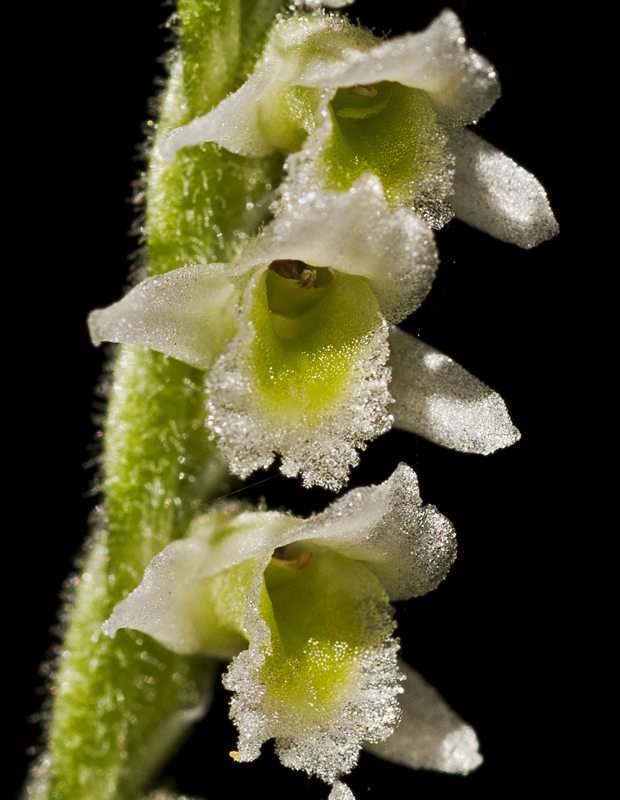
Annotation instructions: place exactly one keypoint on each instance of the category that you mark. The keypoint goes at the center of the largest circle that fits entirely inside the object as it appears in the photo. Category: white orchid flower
(303, 609)
(295, 337)
(345, 102)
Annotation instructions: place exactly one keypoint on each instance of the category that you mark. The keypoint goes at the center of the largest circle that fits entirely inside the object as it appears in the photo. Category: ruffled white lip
(320, 448)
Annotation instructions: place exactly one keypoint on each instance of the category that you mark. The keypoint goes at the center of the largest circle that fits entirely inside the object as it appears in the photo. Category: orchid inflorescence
(323, 167)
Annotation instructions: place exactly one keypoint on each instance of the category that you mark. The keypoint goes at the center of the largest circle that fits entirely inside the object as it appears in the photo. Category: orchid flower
(344, 102)
(294, 335)
(302, 607)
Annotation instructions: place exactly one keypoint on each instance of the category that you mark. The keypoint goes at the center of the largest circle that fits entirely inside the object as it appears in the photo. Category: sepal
(438, 399)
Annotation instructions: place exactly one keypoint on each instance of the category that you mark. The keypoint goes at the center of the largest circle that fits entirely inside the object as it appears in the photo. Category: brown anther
(293, 270)
(284, 555)
(365, 89)
(307, 279)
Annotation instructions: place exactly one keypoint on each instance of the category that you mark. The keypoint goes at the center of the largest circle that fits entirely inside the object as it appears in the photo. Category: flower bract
(344, 102)
(302, 607)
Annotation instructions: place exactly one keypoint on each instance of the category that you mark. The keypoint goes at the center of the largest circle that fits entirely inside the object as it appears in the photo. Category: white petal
(357, 233)
(312, 5)
(496, 195)
(232, 123)
(186, 313)
(431, 735)
(409, 546)
(164, 605)
(165, 794)
(438, 399)
(159, 606)
(462, 84)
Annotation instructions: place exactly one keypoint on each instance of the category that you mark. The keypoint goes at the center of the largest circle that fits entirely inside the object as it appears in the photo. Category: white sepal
(438, 399)
(431, 735)
(496, 195)
(186, 313)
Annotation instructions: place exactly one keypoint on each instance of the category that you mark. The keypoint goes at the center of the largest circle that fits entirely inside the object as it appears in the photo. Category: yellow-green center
(384, 128)
(310, 328)
(318, 628)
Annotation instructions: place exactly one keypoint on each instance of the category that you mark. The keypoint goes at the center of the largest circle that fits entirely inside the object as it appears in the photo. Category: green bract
(304, 605)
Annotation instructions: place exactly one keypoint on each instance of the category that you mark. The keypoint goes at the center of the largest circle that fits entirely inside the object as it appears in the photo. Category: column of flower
(288, 229)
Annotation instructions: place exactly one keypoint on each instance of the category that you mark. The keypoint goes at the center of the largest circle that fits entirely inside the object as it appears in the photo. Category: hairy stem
(120, 706)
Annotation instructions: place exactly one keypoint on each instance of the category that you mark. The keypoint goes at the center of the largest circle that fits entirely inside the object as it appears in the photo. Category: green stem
(120, 707)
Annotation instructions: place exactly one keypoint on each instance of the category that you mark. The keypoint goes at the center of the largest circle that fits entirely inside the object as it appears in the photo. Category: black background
(494, 638)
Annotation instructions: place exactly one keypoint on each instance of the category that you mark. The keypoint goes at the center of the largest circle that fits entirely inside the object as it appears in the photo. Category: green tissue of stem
(308, 340)
(119, 706)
